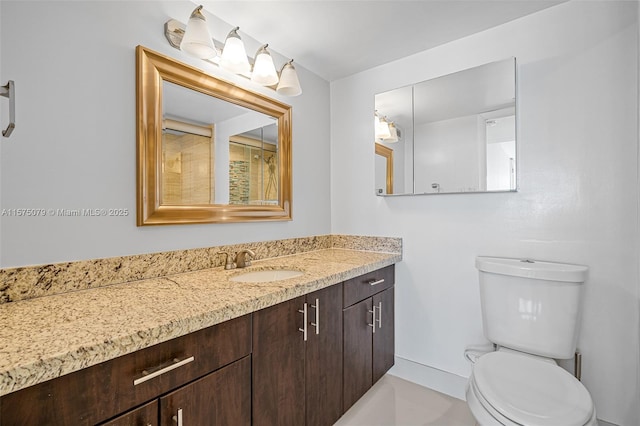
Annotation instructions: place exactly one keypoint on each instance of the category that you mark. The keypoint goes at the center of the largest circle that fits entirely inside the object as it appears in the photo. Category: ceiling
(338, 38)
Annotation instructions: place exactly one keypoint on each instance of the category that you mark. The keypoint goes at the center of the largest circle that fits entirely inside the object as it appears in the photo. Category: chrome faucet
(241, 258)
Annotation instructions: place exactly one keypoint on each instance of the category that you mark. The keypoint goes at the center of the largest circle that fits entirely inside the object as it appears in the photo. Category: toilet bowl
(506, 388)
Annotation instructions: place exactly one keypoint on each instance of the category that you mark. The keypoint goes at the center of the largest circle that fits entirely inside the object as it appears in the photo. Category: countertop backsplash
(28, 282)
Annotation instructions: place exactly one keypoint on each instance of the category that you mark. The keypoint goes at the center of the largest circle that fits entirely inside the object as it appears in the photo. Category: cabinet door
(383, 338)
(278, 364)
(323, 361)
(146, 415)
(358, 343)
(221, 398)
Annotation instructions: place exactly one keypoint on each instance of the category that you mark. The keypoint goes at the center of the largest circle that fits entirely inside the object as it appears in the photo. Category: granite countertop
(50, 336)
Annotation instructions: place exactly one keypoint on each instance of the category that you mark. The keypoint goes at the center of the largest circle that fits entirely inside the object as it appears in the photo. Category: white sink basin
(266, 275)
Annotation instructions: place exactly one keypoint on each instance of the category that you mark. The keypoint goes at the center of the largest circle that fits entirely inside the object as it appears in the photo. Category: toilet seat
(517, 389)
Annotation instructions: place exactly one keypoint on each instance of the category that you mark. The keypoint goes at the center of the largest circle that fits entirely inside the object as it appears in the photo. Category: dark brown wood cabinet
(278, 364)
(146, 415)
(323, 357)
(384, 337)
(368, 332)
(297, 364)
(358, 353)
(221, 398)
(104, 391)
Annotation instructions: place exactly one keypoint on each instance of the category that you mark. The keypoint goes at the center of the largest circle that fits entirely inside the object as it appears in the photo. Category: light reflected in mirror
(458, 132)
(221, 153)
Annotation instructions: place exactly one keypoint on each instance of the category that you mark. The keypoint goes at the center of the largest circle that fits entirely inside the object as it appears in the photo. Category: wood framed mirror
(207, 150)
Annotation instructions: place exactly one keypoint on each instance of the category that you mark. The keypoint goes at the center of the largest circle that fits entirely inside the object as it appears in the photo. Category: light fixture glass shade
(382, 129)
(289, 84)
(393, 134)
(234, 55)
(197, 39)
(264, 72)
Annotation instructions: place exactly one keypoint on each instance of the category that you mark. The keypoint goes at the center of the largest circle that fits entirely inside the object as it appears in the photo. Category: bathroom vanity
(208, 369)
(247, 353)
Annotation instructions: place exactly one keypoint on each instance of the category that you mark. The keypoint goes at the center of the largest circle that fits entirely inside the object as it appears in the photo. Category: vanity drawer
(359, 288)
(100, 392)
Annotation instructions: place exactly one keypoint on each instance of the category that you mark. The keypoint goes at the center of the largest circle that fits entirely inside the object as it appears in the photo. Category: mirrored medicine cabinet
(208, 150)
(450, 134)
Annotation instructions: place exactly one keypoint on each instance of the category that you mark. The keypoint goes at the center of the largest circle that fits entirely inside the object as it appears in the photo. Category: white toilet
(530, 311)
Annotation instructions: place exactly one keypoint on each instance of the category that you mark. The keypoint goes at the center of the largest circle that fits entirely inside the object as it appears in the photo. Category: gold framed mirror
(233, 139)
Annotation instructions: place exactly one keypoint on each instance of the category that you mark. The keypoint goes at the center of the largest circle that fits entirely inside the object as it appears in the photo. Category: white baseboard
(429, 377)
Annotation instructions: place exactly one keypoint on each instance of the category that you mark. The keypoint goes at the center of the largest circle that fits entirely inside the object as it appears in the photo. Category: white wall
(75, 142)
(638, 189)
(3, 116)
(447, 152)
(577, 88)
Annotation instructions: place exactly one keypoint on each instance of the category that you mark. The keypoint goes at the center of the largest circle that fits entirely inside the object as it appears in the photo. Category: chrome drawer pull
(374, 282)
(178, 418)
(317, 323)
(148, 376)
(303, 311)
(373, 323)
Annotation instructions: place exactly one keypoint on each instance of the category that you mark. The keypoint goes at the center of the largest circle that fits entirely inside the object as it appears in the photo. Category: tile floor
(396, 402)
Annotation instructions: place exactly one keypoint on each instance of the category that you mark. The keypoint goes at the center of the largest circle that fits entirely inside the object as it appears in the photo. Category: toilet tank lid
(527, 268)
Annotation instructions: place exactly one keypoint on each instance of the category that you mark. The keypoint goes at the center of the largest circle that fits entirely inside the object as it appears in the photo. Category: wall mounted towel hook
(9, 91)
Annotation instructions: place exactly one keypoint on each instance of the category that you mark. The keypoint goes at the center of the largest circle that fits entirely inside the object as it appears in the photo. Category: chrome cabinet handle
(9, 91)
(178, 418)
(317, 323)
(373, 323)
(379, 320)
(303, 311)
(375, 282)
(148, 376)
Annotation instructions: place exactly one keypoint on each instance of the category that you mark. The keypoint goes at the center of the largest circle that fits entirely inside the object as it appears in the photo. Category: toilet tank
(531, 306)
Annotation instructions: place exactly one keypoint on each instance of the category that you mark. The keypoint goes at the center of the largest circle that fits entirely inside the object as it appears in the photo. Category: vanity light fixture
(393, 133)
(264, 72)
(381, 127)
(289, 84)
(233, 57)
(385, 129)
(197, 40)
